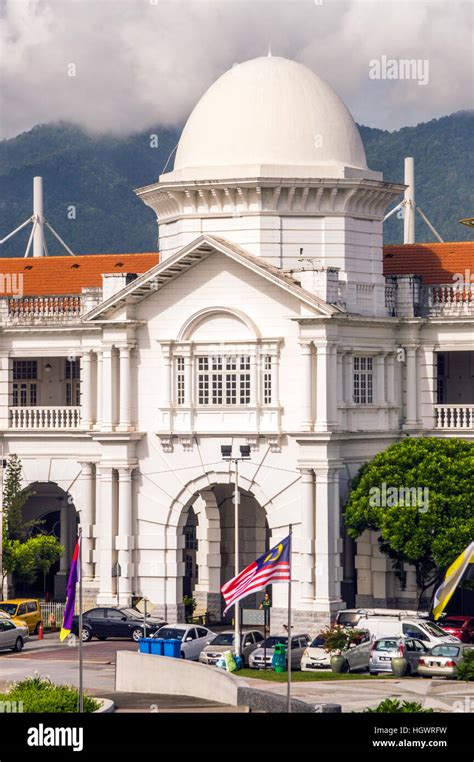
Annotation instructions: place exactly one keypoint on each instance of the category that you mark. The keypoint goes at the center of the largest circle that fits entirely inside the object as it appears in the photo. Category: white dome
(269, 117)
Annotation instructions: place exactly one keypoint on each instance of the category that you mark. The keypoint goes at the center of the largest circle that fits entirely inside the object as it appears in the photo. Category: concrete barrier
(147, 673)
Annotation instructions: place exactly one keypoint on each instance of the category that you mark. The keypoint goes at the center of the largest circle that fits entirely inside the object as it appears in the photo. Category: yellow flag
(452, 580)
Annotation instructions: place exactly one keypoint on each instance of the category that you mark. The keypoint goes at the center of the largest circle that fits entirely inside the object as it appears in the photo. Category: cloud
(121, 66)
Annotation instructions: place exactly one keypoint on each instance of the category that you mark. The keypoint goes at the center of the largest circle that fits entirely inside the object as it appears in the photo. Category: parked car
(24, 610)
(225, 641)
(408, 627)
(442, 660)
(315, 657)
(12, 634)
(298, 645)
(461, 626)
(193, 638)
(385, 649)
(356, 617)
(103, 623)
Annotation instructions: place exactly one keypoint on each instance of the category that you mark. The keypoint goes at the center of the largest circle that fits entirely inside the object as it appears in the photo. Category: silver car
(211, 654)
(12, 636)
(385, 649)
(443, 660)
(298, 645)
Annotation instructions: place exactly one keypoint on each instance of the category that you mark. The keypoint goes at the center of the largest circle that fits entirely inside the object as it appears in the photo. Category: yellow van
(24, 610)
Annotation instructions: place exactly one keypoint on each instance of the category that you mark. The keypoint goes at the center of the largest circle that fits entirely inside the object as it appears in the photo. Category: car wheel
(37, 628)
(136, 634)
(18, 644)
(86, 635)
(182, 655)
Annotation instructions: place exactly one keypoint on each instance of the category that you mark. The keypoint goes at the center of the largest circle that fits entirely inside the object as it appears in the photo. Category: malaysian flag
(273, 566)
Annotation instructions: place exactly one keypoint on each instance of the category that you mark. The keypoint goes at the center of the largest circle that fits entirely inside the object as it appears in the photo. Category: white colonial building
(268, 320)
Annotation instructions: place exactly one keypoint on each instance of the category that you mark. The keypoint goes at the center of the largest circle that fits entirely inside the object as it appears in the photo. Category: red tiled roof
(435, 262)
(68, 275)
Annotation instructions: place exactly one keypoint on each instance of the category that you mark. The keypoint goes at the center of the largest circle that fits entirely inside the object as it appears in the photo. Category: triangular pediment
(190, 256)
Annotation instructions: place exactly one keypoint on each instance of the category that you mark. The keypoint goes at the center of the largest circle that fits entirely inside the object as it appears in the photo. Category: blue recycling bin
(172, 647)
(144, 645)
(157, 646)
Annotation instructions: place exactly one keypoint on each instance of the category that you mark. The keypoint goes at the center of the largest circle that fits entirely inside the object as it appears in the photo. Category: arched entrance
(53, 506)
(208, 525)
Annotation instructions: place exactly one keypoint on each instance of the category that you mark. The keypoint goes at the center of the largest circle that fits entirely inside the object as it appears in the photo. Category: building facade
(273, 318)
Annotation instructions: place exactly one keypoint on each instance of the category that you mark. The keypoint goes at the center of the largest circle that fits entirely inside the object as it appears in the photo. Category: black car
(103, 623)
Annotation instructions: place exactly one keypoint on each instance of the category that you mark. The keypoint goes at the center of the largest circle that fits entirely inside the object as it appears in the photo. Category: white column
(326, 386)
(254, 390)
(188, 379)
(380, 378)
(87, 519)
(391, 378)
(125, 538)
(307, 532)
(107, 391)
(125, 414)
(86, 389)
(411, 387)
(99, 384)
(105, 522)
(328, 542)
(306, 386)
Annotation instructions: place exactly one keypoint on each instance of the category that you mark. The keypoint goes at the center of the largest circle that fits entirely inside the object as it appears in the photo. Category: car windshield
(318, 642)
(445, 651)
(433, 629)
(386, 645)
(224, 639)
(131, 613)
(170, 633)
(458, 623)
(10, 608)
(348, 620)
(273, 640)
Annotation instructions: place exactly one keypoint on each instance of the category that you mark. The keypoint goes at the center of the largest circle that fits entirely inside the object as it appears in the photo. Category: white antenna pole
(409, 206)
(38, 239)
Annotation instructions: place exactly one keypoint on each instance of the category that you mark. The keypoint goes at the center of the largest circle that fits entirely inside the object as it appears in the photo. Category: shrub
(393, 706)
(337, 639)
(465, 669)
(39, 694)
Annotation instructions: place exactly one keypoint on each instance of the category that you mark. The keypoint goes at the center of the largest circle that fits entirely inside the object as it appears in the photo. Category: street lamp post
(226, 451)
(3, 464)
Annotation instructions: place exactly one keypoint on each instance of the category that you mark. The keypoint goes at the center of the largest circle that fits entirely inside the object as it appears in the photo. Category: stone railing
(448, 299)
(454, 416)
(36, 309)
(67, 417)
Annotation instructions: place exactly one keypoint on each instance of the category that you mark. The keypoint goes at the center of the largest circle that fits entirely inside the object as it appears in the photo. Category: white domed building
(267, 323)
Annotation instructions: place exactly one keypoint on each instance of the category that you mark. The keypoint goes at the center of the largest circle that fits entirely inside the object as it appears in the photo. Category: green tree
(431, 533)
(24, 555)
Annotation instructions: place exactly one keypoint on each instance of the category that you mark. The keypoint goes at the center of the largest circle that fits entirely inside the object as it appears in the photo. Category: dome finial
(269, 54)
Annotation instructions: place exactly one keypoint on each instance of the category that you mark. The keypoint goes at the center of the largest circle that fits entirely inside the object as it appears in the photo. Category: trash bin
(144, 645)
(172, 647)
(279, 658)
(157, 646)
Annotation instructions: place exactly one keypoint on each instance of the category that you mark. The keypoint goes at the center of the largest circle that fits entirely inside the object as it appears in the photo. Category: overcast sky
(142, 63)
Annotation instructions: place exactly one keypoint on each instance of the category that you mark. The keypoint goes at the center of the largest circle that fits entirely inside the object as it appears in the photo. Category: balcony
(448, 300)
(454, 417)
(34, 310)
(41, 418)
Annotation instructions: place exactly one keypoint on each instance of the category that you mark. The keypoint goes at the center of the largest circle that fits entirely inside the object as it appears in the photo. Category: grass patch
(302, 677)
(38, 694)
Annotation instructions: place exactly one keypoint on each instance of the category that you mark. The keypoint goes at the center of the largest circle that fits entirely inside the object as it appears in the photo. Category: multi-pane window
(363, 380)
(24, 387)
(267, 380)
(190, 540)
(180, 380)
(223, 380)
(441, 379)
(73, 384)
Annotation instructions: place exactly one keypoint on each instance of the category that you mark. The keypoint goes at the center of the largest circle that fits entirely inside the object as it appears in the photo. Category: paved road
(439, 694)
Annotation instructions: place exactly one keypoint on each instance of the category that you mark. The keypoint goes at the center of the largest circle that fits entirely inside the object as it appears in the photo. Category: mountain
(92, 178)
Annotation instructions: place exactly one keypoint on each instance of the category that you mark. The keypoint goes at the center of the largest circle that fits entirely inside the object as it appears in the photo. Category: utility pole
(226, 451)
(3, 464)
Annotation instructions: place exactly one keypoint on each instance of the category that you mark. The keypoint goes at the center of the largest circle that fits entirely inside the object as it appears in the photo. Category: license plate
(384, 658)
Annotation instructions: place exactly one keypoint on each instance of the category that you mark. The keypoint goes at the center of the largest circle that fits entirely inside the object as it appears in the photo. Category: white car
(12, 635)
(193, 638)
(315, 657)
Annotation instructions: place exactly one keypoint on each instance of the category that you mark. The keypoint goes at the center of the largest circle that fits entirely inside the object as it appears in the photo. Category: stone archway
(51, 504)
(213, 509)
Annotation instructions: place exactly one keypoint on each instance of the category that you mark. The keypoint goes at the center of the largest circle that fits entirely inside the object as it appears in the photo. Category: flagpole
(236, 543)
(288, 686)
(79, 562)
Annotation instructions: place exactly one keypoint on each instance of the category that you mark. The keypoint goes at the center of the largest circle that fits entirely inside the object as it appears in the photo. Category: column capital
(125, 472)
(306, 345)
(87, 467)
(307, 474)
